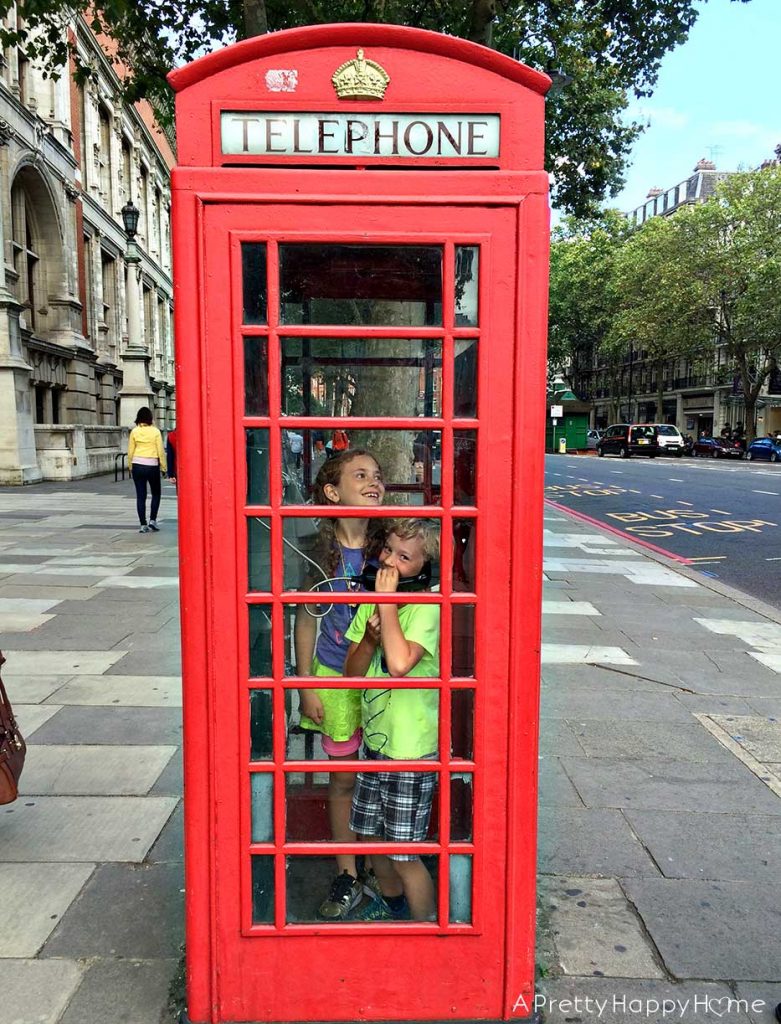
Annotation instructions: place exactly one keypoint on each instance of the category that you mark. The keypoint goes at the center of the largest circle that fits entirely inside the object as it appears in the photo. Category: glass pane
(462, 724)
(464, 538)
(262, 890)
(464, 467)
(463, 663)
(465, 378)
(262, 806)
(361, 377)
(260, 725)
(461, 808)
(259, 553)
(361, 284)
(255, 377)
(460, 888)
(257, 467)
(409, 460)
(259, 640)
(253, 270)
(467, 266)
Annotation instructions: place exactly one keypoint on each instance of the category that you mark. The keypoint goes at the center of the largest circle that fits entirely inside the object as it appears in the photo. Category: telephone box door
(378, 325)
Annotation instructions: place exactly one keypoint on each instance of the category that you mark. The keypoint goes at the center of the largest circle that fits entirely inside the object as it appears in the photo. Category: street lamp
(130, 214)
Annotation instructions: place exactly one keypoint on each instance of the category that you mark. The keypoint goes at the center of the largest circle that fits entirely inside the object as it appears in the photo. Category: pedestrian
(296, 442)
(170, 454)
(146, 460)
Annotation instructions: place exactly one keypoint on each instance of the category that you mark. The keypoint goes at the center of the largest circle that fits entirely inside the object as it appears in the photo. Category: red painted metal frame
(235, 970)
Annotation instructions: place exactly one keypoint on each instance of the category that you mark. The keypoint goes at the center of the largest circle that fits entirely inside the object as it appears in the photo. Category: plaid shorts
(396, 806)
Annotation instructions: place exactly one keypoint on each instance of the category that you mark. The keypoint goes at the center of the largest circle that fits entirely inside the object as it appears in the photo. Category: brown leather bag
(12, 748)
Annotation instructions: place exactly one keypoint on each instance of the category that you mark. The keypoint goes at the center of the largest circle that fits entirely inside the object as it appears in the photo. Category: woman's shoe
(143, 529)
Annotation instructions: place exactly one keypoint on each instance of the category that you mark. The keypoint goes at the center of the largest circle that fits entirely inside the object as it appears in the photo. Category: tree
(583, 299)
(710, 276)
(611, 48)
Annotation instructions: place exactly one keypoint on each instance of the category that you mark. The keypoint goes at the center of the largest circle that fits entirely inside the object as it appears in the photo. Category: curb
(671, 562)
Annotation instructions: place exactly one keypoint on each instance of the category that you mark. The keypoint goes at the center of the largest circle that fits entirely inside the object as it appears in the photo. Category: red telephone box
(360, 240)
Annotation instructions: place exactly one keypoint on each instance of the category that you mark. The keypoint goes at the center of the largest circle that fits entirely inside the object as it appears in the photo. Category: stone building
(698, 399)
(71, 379)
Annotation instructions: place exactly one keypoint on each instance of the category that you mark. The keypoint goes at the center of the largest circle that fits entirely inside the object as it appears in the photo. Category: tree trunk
(483, 16)
(660, 391)
(255, 19)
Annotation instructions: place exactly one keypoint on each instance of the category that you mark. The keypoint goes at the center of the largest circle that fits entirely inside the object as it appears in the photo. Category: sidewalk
(660, 775)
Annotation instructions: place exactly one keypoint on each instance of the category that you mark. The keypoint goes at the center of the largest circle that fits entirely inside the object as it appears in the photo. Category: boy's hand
(387, 581)
(312, 706)
(372, 632)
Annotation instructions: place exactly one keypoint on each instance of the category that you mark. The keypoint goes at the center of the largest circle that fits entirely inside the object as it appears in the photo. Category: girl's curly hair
(328, 552)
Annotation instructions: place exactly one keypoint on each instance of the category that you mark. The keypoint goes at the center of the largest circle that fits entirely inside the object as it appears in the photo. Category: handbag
(12, 748)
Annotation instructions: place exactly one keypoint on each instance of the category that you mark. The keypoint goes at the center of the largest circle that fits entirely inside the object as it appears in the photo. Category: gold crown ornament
(360, 79)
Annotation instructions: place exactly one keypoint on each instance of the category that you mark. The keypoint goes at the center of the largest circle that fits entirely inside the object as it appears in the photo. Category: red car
(716, 448)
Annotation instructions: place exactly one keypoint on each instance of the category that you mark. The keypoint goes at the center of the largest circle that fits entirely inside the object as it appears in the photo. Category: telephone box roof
(357, 34)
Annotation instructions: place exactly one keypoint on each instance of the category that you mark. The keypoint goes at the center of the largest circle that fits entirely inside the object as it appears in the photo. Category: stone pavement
(660, 817)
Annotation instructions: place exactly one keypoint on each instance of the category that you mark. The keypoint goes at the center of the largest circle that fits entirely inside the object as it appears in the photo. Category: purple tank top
(332, 647)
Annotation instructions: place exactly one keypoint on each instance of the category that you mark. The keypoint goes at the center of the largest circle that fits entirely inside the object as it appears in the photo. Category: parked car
(764, 448)
(592, 437)
(670, 439)
(625, 439)
(716, 448)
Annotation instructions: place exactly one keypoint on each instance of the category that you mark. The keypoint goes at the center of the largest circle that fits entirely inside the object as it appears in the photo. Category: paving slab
(714, 704)
(113, 725)
(75, 770)
(555, 788)
(37, 991)
(170, 782)
(149, 663)
(558, 738)
(30, 717)
(739, 847)
(36, 590)
(596, 930)
(760, 736)
(583, 654)
(677, 741)
(605, 844)
(114, 913)
(82, 828)
(599, 678)
(35, 896)
(21, 622)
(169, 847)
(589, 1000)
(61, 662)
(122, 992)
(762, 998)
(125, 691)
(657, 706)
(712, 930)
(31, 689)
(657, 784)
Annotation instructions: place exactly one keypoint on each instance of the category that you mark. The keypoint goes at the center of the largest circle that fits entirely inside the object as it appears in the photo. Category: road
(722, 518)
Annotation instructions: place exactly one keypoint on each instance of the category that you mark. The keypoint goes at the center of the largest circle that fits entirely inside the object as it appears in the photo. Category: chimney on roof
(704, 165)
(654, 192)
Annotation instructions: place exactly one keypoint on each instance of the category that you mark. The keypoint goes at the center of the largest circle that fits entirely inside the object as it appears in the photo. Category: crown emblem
(360, 79)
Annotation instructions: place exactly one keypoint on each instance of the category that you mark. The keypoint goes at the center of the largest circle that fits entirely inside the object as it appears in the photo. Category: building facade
(698, 399)
(76, 361)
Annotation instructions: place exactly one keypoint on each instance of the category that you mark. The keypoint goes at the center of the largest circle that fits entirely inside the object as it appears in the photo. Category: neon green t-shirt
(402, 724)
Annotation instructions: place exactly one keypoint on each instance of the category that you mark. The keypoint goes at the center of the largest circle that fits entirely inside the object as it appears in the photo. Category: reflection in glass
(257, 467)
(255, 377)
(464, 543)
(259, 640)
(465, 378)
(461, 807)
(463, 639)
(410, 461)
(260, 725)
(361, 284)
(259, 553)
(361, 377)
(462, 724)
(253, 276)
(262, 890)
(262, 806)
(460, 888)
(467, 266)
(309, 877)
(464, 467)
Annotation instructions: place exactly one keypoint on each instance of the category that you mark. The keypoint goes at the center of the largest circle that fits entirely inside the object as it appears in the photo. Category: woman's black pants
(143, 475)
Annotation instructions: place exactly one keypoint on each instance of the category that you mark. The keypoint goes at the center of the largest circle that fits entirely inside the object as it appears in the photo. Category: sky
(717, 97)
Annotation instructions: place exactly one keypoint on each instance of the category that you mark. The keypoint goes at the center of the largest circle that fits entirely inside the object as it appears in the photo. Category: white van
(670, 439)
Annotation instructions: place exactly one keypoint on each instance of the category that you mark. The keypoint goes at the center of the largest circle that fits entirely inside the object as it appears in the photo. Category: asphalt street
(721, 518)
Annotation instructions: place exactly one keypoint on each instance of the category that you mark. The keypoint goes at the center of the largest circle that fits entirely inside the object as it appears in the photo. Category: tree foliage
(611, 48)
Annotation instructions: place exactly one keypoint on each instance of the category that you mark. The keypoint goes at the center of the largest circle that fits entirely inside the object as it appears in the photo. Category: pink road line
(619, 533)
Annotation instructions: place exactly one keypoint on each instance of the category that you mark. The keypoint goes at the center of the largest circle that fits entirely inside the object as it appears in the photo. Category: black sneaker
(346, 893)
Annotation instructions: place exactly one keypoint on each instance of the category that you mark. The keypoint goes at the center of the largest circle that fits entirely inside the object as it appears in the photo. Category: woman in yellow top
(146, 459)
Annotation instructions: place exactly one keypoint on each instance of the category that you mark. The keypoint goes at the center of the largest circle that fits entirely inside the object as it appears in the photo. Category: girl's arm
(131, 449)
(304, 638)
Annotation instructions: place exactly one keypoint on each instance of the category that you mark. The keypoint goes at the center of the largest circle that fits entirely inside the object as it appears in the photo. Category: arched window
(26, 259)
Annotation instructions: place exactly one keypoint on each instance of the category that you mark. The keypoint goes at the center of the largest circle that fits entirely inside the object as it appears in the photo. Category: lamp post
(136, 387)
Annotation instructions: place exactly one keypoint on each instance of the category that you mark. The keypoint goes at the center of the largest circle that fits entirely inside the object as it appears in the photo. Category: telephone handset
(421, 581)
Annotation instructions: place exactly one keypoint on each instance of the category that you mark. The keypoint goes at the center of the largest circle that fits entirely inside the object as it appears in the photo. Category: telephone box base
(534, 1018)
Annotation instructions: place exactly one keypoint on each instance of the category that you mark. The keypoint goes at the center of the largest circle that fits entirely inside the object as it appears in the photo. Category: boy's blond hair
(426, 529)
